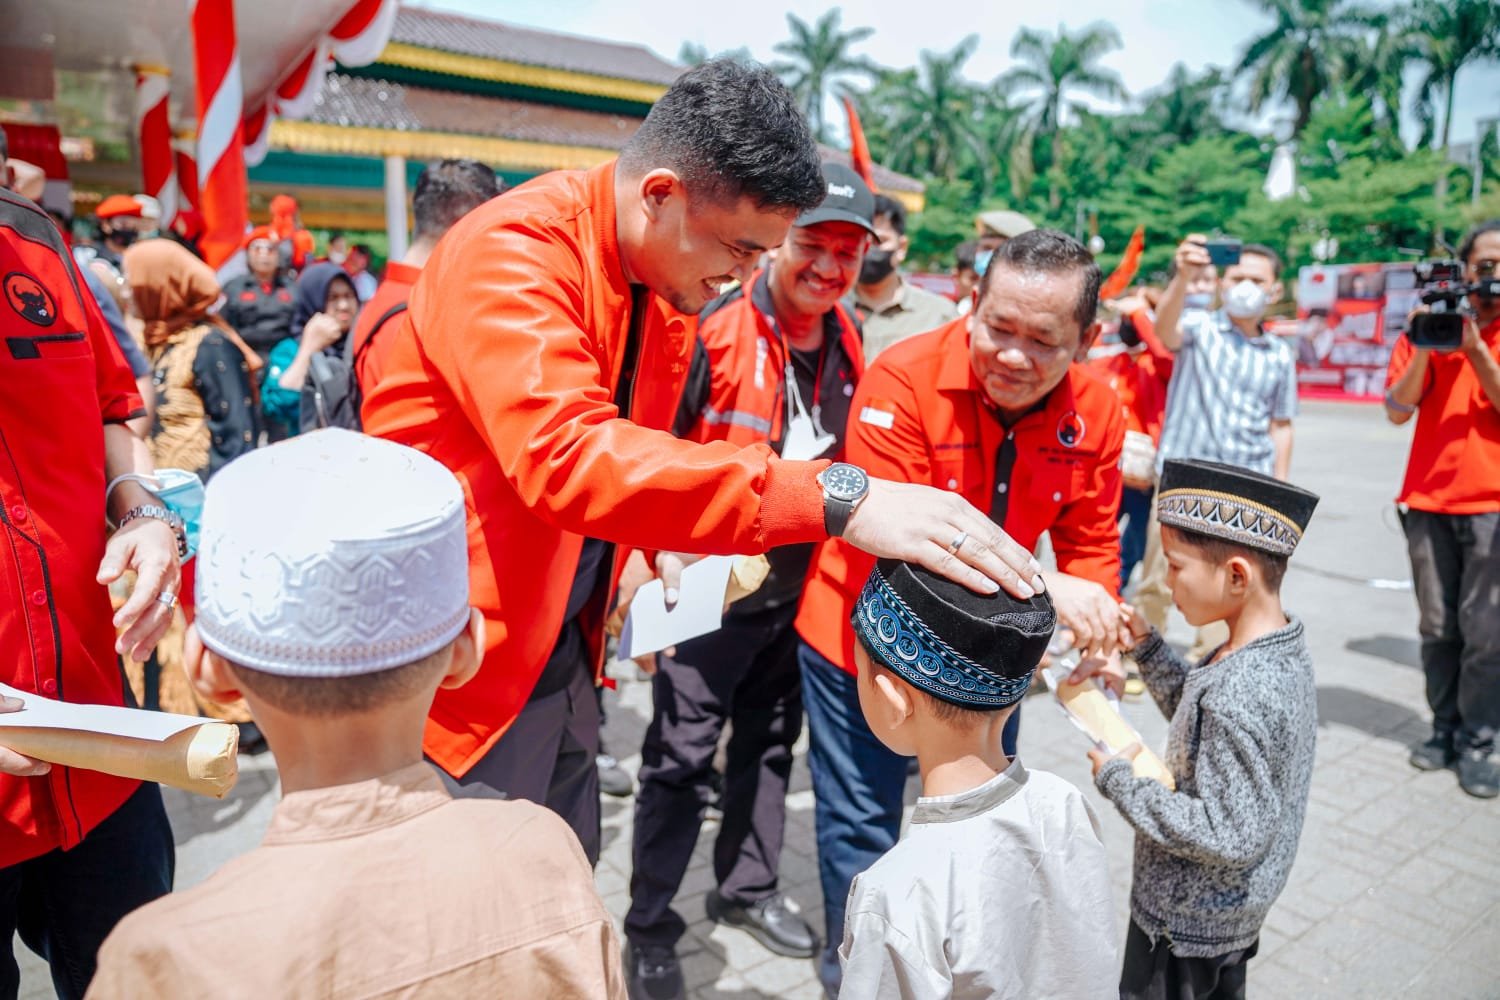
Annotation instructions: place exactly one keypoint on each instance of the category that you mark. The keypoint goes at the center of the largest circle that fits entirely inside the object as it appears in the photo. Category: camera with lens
(1443, 290)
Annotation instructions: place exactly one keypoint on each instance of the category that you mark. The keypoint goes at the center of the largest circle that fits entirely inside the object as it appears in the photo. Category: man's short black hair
(1219, 551)
(892, 210)
(964, 254)
(1261, 250)
(447, 190)
(1465, 249)
(731, 130)
(363, 248)
(1047, 251)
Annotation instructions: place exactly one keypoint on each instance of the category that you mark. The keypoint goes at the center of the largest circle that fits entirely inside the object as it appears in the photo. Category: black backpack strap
(385, 317)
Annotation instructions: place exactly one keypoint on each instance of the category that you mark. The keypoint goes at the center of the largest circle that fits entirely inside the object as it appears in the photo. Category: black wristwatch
(844, 486)
(171, 518)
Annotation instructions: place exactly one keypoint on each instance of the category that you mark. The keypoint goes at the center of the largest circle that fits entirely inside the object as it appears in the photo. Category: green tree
(1055, 65)
(930, 116)
(1450, 35)
(695, 54)
(1305, 53)
(1379, 69)
(820, 57)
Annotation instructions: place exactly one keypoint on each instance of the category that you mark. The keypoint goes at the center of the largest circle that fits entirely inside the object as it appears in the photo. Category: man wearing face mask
(117, 223)
(1233, 392)
(776, 362)
(994, 228)
(891, 307)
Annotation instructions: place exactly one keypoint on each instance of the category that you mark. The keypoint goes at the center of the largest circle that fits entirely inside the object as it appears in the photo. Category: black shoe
(1478, 775)
(1435, 754)
(613, 779)
(653, 972)
(770, 921)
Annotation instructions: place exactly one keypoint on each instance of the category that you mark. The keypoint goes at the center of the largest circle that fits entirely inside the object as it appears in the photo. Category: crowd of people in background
(540, 346)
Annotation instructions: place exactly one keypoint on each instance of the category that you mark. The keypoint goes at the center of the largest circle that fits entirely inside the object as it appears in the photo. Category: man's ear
(657, 189)
(209, 675)
(895, 698)
(468, 651)
(1086, 341)
(902, 246)
(1277, 291)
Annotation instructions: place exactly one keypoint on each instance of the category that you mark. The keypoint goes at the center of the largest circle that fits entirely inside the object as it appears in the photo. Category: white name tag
(879, 418)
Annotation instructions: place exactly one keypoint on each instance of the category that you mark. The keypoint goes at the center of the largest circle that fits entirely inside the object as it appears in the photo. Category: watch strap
(164, 514)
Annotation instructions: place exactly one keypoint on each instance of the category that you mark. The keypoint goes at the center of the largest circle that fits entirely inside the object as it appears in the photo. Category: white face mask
(1246, 300)
(1198, 300)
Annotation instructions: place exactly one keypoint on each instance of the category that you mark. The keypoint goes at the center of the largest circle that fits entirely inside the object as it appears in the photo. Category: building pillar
(395, 205)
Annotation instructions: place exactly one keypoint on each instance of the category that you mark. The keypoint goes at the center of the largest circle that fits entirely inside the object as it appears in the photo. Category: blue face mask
(1198, 300)
(982, 261)
(182, 492)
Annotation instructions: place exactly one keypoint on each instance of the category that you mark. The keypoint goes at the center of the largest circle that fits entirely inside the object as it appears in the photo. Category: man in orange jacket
(541, 360)
(776, 362)
(996, 408)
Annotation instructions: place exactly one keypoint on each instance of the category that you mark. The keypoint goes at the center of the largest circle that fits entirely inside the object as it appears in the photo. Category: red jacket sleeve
(508, 329)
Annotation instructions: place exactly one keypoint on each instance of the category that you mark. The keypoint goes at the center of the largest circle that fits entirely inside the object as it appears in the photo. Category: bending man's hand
(12, 762)
(149, 548)
(919, 524)
(1089, 610)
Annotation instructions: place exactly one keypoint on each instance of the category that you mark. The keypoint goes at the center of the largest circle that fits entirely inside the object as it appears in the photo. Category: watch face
(845, 482)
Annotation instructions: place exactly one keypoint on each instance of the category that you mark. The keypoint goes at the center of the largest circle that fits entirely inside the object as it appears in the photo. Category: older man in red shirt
(996, 408)
(78, 849)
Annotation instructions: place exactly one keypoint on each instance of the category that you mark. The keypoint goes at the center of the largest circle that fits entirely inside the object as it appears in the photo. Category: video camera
(1444, 292)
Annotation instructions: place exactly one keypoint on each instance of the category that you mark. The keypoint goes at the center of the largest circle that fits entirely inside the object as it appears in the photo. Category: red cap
(118, 206)
(283, 205)
(260, 233)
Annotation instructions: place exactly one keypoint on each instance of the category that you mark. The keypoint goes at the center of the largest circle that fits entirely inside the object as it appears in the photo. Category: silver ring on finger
(168, 598)
(957, 543)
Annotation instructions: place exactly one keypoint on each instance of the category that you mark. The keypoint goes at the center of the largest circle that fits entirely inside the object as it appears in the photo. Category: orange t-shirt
(1454, 466)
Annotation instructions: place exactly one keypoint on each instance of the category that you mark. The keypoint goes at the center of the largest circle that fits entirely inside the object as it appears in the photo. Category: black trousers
(746, 674)
(547, 757)
(65, 903)
(1455, 565)
(1152, 972)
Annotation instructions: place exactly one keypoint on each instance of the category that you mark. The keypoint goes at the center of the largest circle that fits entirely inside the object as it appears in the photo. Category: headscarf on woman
(173, 290)
(311, 296)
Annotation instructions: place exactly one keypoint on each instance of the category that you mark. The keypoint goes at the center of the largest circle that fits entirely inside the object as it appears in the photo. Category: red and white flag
(153, 126)
(223, 190)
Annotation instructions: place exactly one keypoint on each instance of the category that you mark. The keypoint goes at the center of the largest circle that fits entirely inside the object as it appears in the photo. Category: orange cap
(118, 206)
(260, 233)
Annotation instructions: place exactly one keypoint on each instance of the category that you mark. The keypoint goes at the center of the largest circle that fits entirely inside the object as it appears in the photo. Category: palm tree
(1380, 67)
(1056, 65)
(1306, 52)
(930, 116)
(820, 57)
(1450, 35)
(696, 54)
(1185, 106)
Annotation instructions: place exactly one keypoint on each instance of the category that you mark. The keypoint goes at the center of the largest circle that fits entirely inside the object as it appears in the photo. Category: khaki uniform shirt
(382, 888)
(914, 310)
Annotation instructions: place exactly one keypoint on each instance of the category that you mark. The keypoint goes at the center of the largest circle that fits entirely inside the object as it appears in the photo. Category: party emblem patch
(1070, 429)
(27, 297)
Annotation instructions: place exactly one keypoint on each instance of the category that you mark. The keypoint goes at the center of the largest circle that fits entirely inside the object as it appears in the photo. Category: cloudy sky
(1156, 33)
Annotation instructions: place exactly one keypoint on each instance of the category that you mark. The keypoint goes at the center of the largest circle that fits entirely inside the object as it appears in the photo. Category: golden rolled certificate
(1087, 704)
(745, 578)
(202, 758)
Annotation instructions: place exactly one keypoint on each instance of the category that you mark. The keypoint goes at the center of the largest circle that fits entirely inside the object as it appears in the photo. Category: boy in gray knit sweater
(1212, 856)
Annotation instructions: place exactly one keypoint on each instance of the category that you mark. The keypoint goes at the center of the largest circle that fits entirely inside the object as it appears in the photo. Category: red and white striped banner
(153, 127)
(185, 160)
(221, 157)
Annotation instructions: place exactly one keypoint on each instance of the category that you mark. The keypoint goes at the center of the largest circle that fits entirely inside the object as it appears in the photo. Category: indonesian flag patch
(879, 413)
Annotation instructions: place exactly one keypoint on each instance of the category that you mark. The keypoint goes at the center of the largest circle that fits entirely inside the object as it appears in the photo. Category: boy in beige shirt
(332, 594)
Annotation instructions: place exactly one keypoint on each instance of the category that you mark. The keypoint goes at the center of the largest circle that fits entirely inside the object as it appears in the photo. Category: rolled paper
(745, 578)
(202, 759)
(1087, 703)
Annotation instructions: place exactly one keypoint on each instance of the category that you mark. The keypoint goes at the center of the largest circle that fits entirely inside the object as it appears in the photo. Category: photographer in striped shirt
(1233, 392)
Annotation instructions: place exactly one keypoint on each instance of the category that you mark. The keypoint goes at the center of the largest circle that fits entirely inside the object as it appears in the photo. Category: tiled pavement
(1396, 890)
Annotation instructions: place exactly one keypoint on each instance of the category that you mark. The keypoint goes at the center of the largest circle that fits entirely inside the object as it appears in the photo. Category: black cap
(848, 199)
(1237, 505)
(977, 651)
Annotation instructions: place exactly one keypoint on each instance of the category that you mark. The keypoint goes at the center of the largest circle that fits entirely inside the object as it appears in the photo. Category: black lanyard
(625, 389)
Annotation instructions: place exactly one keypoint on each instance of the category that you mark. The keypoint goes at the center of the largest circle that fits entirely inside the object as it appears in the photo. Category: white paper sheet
(650, 627)
(46, 713)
